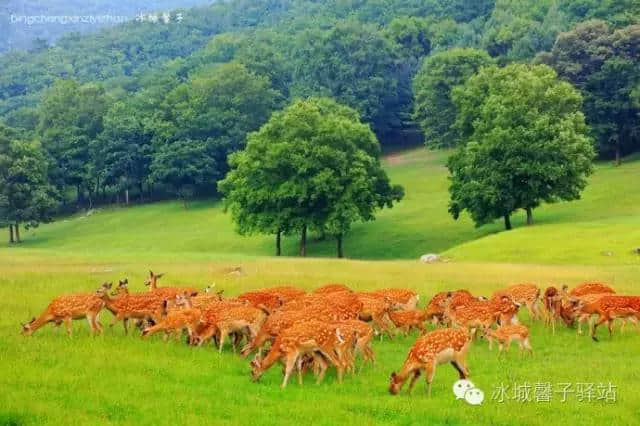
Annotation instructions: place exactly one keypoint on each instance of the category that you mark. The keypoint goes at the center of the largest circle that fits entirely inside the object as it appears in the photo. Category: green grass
(112, 379)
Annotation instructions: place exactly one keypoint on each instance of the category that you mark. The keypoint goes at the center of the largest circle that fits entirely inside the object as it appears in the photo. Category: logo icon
(465, 389)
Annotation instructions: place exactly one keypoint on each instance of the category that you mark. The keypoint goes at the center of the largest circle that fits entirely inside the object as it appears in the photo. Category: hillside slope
(602, 228)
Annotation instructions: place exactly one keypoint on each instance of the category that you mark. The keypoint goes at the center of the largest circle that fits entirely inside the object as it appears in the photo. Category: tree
(313, 166)
(25, 194)
(433, 107)
(525, 142)
(208, 118)
(605, 66)
(70, 120)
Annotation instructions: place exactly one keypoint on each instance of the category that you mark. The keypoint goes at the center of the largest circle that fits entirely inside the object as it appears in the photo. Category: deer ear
(393, 375)
(150, 273)
(159, 275)
(32, 320)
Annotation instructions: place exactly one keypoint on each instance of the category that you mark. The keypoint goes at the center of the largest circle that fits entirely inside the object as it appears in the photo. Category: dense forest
(70, 16)
(145, 110)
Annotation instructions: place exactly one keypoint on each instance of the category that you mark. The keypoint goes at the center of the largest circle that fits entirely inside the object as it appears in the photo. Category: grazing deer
(259, 298)
(434, 348)
(285, 293)
(363, 334)
(552, 302)
(236, 320)
(303, 338)
(67, 308)
(524, 294)
(166, 292)
(505, 334)
(331, 288)
(612, 307)
(177, 320)
(408, 320)
(402, 299)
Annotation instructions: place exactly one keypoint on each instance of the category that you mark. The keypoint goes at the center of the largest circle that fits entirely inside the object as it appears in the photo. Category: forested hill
(22, 28)
(153, 109)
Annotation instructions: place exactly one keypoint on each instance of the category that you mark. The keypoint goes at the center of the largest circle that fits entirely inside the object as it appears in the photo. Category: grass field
(113, 379)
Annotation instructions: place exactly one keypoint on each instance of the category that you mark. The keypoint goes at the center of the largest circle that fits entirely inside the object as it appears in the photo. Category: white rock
(429, 258)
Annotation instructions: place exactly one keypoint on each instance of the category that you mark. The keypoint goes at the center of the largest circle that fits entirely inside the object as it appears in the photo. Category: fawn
(434, 348)
(303, 338)
(435, 310)
(591, 288)
(67, 308)
(505, 334)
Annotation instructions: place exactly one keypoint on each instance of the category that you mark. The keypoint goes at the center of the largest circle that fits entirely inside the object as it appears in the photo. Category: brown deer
(235, 320)
(612, 307)
(591, 288)
(177, 320)
(139, 306)
(64, 309)
(264, 299)
(436, 308)
(402, 299)
(166, 292)
(524, 294)
(302, 338)
(376, 309)
(408, 320)
(331, 288)
(434, 348)
(505, 334)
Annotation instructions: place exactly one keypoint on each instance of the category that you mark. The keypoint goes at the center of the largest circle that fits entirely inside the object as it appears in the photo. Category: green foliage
(433, 108)
(313, 165)
(525, 143)
(25, 195)
(604, 64)
(206, 119)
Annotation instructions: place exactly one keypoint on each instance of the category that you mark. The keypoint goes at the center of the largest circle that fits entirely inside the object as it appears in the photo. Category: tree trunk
(303, 241)
(16, 227)
(529, 216)
(339, 243)
(507, 222)
(618, 153)
(11, 240)
(278, 248)
(126, 196)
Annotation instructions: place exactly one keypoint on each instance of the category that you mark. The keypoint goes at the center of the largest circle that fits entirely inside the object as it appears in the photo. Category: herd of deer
(333, 324)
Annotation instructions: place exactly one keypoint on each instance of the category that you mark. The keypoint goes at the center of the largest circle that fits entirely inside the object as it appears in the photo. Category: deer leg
(92, 326)
(414, 378)
(299, 368)
(223, 333)
(67, 324)
(125, 324)
(431, 372)
(289, 365)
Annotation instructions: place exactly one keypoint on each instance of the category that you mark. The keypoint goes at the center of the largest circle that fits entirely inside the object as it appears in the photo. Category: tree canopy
(313, 166)
(525, 142)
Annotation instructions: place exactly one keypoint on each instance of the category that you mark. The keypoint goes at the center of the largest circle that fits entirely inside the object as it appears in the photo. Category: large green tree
(525, 143)
(433, 108)
(605, 65)
(206, 119)
(26, 198)
(315, 166)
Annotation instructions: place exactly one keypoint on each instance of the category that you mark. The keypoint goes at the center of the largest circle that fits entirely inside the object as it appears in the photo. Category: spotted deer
(331, 288)
(177, 320)
(234, 319)
(429, 351)
(303, 338)
(408, 320)
(505, 334)
(611, 307)
(264, 299)
(524, 294)
(402, 299)
(166, 292)
(591, 288)
(64, 309)
(435, 310)
(139, 306)
(376, 309)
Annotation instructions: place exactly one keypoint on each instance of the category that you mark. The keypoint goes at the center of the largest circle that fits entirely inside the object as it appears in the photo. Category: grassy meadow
(49, 378)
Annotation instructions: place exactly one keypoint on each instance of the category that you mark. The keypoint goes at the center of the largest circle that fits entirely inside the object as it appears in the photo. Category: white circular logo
(474, 396)
(465, 389)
